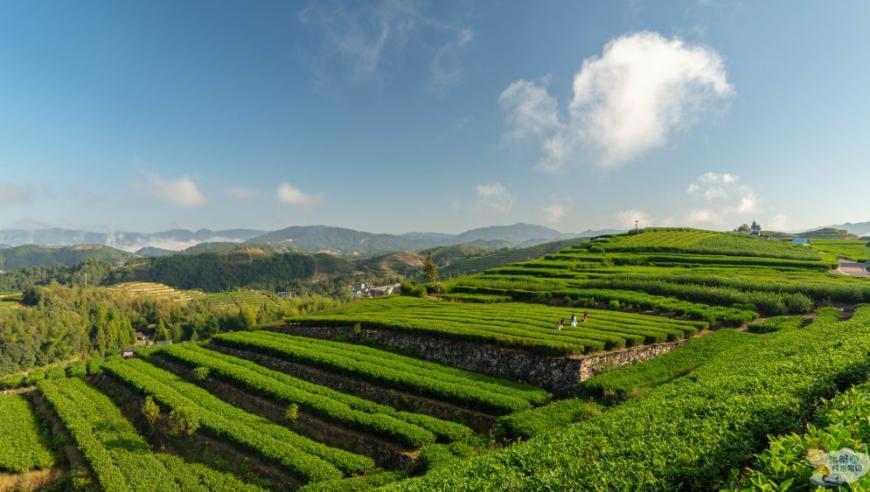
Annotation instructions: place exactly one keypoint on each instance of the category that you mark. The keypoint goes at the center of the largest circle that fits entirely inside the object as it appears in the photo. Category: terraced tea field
(511, 324)
(406, 393)
(851, 249)
(153, 289)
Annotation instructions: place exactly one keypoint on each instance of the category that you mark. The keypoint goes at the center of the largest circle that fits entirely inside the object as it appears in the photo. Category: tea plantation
(670, 359)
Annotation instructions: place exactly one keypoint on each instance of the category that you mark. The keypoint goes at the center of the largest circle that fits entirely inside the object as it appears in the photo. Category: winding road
(853, 268)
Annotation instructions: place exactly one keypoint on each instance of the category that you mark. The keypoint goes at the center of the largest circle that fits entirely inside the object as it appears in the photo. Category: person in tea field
(573, 320)
(585, 316)
(560, 324)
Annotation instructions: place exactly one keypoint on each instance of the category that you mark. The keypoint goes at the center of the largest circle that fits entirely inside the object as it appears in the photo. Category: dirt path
(853, 269)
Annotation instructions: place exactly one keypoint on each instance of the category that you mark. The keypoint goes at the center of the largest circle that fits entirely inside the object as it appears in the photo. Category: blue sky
(398, 116)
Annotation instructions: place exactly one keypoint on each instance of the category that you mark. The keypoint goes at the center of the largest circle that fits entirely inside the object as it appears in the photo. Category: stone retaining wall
(561, 375)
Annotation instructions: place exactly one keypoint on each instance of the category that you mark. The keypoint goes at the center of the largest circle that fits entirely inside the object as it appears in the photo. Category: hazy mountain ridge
(312, 239)
(172, 240)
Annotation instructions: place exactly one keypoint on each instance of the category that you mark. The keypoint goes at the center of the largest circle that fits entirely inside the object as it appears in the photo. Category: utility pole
(636, 229)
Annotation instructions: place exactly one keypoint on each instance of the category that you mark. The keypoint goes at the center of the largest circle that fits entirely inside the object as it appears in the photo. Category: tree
(744, 228)
(183, 421)
(150, 410)
(430, 269)
(161, 332)
(247, 317)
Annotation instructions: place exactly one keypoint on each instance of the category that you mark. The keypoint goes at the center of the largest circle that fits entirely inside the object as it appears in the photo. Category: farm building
(801, 241)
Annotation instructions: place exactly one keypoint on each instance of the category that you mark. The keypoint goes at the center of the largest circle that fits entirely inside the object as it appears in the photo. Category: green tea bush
(310, 460)
(302, 395)
(686, 434)
(119, 457)
(393, 371)
(25, 446)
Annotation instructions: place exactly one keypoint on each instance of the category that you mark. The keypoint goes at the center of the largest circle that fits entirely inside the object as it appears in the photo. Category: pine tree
(430, 269)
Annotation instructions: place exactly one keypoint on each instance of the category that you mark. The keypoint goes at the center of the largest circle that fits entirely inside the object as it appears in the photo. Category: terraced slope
(120, 458)
(686, 434)
(392, 371)
(512, 325)
(409, 429)
(721, 278)
(153, 289)
(25, 445)
(307, 459)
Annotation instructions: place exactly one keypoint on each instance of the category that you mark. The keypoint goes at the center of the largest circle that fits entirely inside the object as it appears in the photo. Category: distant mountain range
(858, 228)
(312, 239)
(173, 240)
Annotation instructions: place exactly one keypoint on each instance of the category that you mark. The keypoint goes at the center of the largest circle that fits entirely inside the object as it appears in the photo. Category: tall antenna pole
(636, 229)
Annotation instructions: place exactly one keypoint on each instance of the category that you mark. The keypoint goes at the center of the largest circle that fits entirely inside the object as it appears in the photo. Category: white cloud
(291, 195)
(494, 197)
(625, 103)
(239, 193)
(181, 191)
(725, 201)
(530, 110)
(626, 219)
(780, 222)
(11, 194)
(446, 66)
(557, 210)
(363, 35)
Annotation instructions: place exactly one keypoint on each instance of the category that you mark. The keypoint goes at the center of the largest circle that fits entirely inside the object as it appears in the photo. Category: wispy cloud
(11, 194)
(557, 210)
(625, 102)
(241, 193)
(181, 191)
(494, 197)
(367, 36)
(291, 195)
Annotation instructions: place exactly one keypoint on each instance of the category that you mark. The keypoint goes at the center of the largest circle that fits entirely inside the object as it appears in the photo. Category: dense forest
(59, 323)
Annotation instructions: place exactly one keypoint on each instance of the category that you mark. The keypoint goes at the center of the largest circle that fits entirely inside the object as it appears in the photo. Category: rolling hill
(53, 256)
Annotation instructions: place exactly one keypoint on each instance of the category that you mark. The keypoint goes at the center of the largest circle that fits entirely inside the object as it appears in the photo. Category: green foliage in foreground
(842, 422)
(635, 380)
(25, 446)
(851, 249)
(393, 371)
(548, 418)
(355, 484)
(775, 324)
(310, 460)
(686, 434)
(324, 402)
(120, 458)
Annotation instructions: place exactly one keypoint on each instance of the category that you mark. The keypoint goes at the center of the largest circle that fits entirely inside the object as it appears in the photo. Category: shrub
(77, 369)
(412, 289)
(183, 421)
(200, 373)
(150, 410)
(95, 366)
(613, 304)
(292, 412)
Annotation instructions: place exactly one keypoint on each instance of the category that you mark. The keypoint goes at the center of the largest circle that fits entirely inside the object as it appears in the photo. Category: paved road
(854, 269)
